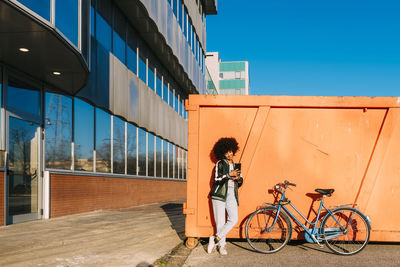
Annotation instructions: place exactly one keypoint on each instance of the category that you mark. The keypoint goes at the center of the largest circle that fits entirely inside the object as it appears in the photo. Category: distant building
(226, 78)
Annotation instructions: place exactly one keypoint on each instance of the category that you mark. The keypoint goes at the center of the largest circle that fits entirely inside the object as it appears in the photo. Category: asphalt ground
(296, 253)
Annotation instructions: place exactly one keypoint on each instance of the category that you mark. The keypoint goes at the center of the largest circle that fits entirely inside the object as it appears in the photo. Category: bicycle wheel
(266, 240)
(355, 235)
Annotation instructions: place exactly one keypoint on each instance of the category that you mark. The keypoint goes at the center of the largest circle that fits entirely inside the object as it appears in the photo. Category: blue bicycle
(345, 230)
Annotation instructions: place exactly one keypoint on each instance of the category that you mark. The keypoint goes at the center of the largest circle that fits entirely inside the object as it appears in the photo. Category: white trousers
(219, 207)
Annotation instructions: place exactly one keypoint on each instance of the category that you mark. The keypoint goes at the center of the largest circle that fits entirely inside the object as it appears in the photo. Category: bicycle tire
(356, 235)
(263, 241)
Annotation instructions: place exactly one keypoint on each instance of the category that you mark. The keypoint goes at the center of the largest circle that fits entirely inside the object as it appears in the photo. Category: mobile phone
(238, 166)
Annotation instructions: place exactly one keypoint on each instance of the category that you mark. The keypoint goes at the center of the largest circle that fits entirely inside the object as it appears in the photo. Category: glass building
(92, 102)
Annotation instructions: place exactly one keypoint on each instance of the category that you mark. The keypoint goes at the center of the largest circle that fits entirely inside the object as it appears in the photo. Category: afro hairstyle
(224, 145)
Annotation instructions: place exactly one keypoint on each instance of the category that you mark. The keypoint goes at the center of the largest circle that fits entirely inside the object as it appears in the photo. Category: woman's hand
(234, 174)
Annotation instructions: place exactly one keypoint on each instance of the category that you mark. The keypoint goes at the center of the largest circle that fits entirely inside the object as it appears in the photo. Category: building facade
(227, 78)
(92, 102)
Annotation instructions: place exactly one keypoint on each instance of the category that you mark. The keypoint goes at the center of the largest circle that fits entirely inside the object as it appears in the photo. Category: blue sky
(312, 47)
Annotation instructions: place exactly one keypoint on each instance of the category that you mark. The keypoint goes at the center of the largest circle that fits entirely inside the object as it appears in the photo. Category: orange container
(350, 144)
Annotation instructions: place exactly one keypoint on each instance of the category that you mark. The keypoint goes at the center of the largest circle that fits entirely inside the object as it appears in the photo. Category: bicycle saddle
(325, 191)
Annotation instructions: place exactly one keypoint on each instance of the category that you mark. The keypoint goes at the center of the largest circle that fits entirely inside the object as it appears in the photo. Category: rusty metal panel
(346, 143)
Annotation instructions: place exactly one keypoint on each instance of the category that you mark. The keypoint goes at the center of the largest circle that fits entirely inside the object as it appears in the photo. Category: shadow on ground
(175, 215)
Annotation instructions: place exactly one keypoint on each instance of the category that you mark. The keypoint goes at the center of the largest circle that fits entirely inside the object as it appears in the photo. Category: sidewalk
(127, 237)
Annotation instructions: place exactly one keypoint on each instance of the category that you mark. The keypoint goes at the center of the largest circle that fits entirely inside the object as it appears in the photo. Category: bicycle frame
(313, 231)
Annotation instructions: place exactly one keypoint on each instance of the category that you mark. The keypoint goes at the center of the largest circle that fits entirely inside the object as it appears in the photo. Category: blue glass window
(119, 47)
(132, 148)
(176, 106)
(150, 154)
(181, 108)
(171, 97)
(103, 141)
(119, 36)
(41, 7)
(165, 158)
(184, 24)
(177, 162)
(151, 77)
(158, 157)
(67, 19)
(131, 51)
(142, 152)
(58, 125)
(175, 8)
(171, 160)
(165, 91)
(158, 84)
(92, 16)
(21, 97)
(180, 13)
(189, 33)
(83, 135)
(142, 63)
(118, 145)
(103, 32)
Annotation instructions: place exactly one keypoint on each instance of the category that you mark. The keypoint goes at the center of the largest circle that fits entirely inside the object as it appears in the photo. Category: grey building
(92, 102)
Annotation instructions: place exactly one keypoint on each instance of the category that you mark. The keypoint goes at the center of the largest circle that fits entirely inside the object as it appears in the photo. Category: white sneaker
(222, 251)
(211, 244)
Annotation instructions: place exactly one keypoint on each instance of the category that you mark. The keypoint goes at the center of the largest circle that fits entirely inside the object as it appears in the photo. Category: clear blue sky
(312, 47)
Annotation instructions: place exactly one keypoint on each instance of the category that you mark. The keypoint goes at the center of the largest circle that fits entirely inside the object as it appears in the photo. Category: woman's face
(229, 155)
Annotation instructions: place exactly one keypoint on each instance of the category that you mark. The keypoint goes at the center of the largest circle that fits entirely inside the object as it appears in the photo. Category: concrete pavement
(136, 236)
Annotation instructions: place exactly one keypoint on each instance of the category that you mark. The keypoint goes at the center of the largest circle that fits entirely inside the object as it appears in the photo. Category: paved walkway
(130, 237)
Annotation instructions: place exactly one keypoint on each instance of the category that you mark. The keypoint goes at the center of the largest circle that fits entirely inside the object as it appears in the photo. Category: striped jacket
(221, 178)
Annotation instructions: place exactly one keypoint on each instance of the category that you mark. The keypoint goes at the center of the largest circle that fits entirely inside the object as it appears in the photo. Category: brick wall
(2, 199)
(71, 194)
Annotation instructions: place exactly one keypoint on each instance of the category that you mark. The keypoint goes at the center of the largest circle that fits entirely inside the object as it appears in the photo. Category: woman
(224, 193)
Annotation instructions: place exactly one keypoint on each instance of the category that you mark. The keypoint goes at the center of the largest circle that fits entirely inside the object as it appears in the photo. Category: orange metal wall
(71, 194)
(350, 144)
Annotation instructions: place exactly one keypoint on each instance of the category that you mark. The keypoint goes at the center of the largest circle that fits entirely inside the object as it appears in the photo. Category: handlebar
(285, 185)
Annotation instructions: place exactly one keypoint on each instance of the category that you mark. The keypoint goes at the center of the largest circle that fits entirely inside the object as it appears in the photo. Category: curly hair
(224, 145)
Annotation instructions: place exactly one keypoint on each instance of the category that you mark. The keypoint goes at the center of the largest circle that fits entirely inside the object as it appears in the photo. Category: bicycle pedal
(321, 245)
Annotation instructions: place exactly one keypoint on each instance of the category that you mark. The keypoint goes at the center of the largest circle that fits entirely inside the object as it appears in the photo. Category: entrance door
(23, 171)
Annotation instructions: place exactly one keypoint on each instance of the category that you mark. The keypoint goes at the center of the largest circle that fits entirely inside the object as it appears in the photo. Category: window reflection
(176, 162)
(103, 32)
(142, 152)
(103, 141)
(131, 51)
(142, 64)
(165, 91)
(132, 148)
(21, 97)
(118, 145)
(150, 154)
(165, 159)
(158, 83)
(83, 135)
(171, 97)
(40, 7)
(151, 77)
(171, 157)
(158, 156)
(119, 36)
(66, 19)
(58, 126)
